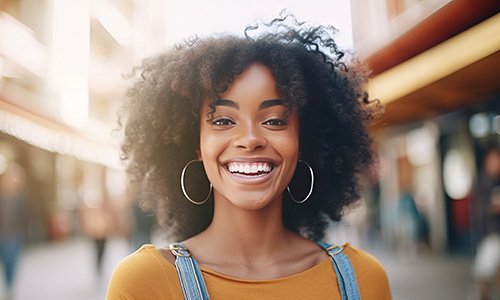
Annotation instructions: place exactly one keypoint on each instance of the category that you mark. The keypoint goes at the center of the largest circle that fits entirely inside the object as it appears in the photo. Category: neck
(247, 234)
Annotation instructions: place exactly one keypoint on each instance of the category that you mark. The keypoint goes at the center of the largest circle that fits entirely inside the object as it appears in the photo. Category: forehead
(256, 83)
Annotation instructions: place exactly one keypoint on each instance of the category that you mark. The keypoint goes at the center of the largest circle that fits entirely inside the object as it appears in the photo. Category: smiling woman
(254, 113)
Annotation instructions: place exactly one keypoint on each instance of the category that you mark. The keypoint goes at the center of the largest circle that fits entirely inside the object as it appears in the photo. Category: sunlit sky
(204, 17)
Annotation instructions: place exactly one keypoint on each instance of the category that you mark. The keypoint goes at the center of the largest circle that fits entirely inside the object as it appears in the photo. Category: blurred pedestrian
(97, 224)
(487, 261)
(411, 225)
(13, 219)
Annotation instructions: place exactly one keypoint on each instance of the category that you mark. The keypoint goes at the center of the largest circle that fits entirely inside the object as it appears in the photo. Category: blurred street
(428, 277)
(65, 270)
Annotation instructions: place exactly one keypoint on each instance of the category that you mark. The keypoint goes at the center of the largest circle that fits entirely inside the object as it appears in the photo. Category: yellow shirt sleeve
(371, 276)
(144, 274)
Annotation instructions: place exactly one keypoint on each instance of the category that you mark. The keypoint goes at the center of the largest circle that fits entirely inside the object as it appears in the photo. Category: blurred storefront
(61, 79)
(436, 65)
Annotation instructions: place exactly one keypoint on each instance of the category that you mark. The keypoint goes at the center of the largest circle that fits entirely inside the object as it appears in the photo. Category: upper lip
(250, 160)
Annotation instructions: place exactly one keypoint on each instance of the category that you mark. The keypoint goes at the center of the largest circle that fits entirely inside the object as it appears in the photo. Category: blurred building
(61, 80)
(436, 69)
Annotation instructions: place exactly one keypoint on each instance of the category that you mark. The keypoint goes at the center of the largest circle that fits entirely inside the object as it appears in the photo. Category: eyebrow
(263, 105)
(271, 102)
(225, 102)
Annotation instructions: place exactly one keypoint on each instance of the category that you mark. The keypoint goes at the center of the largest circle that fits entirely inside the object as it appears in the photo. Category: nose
(249, 138)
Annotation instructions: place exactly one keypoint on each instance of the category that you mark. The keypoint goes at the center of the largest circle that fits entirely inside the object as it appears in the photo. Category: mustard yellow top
(146, 274)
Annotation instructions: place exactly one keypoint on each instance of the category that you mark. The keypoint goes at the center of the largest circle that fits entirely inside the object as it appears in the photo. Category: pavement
(65, 270)
(427, 276)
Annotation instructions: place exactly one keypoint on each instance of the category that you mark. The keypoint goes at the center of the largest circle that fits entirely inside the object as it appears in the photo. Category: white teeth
(249, 168)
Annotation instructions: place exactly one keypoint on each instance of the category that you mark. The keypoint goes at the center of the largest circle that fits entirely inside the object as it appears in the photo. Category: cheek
(289, 147)
(208, 154)
(211, 147)
(206, 151)
(293, 139)
(291, 155)
(206, 141)
(292, 149)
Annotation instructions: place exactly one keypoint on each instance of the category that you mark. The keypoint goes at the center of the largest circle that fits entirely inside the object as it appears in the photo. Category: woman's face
(249, 146)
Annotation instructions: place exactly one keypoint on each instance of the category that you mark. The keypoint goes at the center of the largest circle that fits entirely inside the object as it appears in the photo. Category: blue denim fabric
(194, 288)
(346, 278)
(192, 283)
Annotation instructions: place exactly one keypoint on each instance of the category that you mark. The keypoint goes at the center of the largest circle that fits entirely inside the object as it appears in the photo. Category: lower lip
(255, 179)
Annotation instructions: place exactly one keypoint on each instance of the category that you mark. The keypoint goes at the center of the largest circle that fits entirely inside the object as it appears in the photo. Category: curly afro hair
(160, 119)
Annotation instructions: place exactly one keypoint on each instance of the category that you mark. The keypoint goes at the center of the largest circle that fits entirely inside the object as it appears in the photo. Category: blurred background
(431, 208)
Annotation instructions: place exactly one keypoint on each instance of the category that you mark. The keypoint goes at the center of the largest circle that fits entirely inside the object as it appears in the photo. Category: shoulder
(370, 274)
(144, 274)
(363, 260)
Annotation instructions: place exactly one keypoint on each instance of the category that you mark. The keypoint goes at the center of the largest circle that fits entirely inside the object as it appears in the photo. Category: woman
(245, 148)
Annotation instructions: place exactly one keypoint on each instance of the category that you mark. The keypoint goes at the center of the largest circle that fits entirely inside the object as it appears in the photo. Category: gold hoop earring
(184, 188)
(310, 189)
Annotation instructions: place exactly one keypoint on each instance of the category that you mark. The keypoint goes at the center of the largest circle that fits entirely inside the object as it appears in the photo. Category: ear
(198, 155)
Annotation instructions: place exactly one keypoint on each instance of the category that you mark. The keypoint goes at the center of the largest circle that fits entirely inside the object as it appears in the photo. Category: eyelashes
(224, 121)
(221, 121)
(276, 122)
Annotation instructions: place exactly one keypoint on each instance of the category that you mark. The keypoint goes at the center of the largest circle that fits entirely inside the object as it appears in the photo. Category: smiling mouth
(250, 169)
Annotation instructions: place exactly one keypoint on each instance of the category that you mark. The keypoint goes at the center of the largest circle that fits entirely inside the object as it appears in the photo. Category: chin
(251, 202)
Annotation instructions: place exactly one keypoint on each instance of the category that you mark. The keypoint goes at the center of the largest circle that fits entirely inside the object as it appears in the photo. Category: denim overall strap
(192, 283)
(346, 278)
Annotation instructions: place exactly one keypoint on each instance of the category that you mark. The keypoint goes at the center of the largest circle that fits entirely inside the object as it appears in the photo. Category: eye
(222, 122)
(275, 122)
